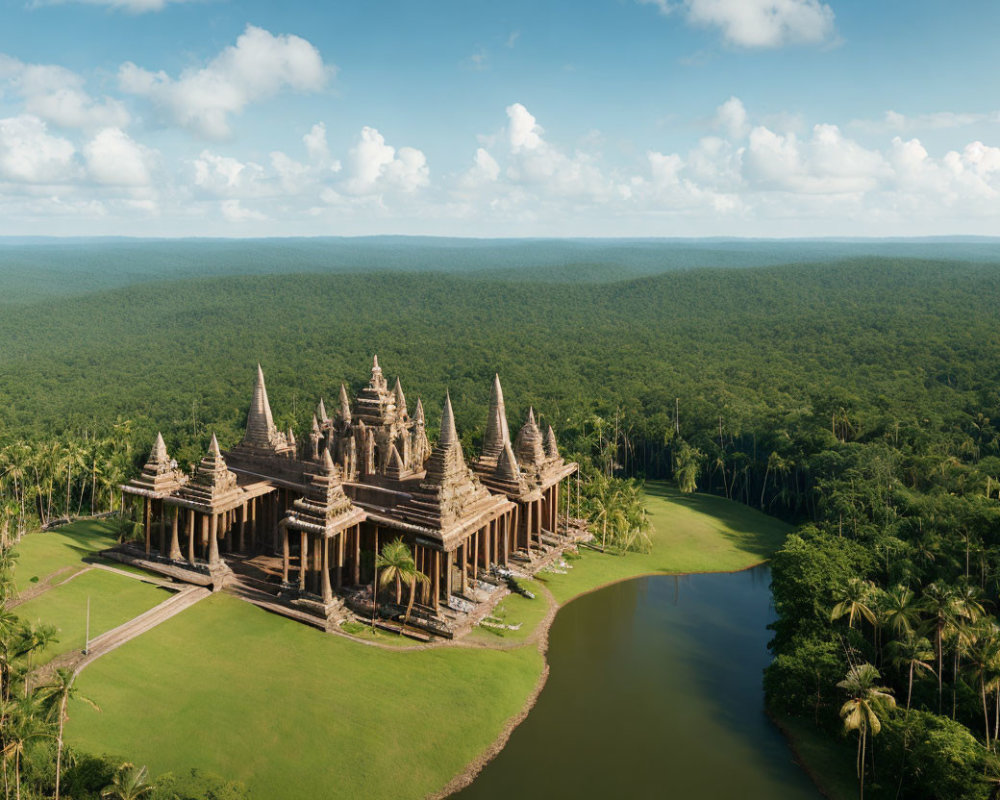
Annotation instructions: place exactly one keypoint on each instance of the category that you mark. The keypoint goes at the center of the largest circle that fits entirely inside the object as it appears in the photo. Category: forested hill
(34, 269)
(912, 341)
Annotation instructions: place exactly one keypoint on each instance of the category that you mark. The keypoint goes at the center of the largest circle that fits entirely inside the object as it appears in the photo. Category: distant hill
(34, 269)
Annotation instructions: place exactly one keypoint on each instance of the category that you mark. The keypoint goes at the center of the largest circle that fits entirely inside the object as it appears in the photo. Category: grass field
(292, 712)
(512, 610)
(45, 552)
(114, 599)
(691, 533)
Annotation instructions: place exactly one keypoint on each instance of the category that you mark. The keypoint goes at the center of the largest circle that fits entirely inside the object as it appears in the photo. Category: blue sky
(606, 118)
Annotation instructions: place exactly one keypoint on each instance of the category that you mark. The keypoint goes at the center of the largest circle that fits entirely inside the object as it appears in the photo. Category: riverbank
(270, 692)
(830, 768)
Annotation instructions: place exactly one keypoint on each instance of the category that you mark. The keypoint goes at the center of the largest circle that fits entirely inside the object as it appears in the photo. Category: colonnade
(319, 555)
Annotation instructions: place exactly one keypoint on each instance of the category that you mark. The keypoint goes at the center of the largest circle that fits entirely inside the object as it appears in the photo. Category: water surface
(654, 691)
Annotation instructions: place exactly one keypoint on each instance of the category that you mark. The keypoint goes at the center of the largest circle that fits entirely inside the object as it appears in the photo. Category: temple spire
(159, 455)
(551, 445)
(507, 468)
(528, 447)
(418, 414)
(397, 390)
(449, 436)
(497, 431)
(315, 425)
(328, 462)
(213, 448)
(321, 411)
(260, 424)
(345, 405)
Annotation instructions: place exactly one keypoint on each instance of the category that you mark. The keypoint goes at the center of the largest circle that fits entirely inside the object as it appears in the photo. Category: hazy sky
(514, 118)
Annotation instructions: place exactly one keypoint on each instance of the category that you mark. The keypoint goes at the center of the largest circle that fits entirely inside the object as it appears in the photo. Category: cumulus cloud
(894, 122)
(374, 166)
(113, 158)
(758, 23)
(30, 154)
(258, 66)
(731, 116)
(57, 95)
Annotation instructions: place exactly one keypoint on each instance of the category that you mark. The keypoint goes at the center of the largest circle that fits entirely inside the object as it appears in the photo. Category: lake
(654, 691)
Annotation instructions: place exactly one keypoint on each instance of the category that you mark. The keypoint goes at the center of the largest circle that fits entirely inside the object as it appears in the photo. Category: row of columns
(319, 555)
(242, 528)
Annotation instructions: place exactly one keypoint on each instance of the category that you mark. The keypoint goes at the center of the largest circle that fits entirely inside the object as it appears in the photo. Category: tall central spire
(260, 424)
(497, 432)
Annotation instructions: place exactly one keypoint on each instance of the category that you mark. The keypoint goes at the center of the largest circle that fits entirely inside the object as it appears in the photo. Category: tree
(911, 653)
(130, 783)
(56, 695)
(866, 701)
(939, 602)
(854, 600)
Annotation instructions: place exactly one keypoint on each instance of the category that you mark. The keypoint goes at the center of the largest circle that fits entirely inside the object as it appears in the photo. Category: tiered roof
(160, 476)
(324, 508)
(528, 448)
(213, 488)
(376, 404)
(450, 496)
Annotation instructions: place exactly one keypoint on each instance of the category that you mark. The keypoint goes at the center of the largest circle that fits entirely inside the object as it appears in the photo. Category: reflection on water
(655, 691)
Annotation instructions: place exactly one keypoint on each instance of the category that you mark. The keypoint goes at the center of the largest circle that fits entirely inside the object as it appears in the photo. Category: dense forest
(859, 399)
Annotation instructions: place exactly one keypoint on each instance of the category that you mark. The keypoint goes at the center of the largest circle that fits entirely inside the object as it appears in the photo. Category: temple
(295, 524)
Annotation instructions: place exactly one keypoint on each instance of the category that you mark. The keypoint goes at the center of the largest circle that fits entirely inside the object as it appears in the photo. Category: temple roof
(399, 399)
(528, 447)
(213, 488)
(261, 432)
(551, 445)
(324, 508)
(321, 412)
(497, 431)
(376, 404)
(160, 476)
(345, 406)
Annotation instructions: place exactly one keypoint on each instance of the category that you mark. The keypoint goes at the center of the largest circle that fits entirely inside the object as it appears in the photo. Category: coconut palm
(56, 696)
(130, 783)
(398, 567)
(939, 602)
(22, 724)
(912, 653)
(984, 655)
(866, 701)
(854, 600)
(898, 610)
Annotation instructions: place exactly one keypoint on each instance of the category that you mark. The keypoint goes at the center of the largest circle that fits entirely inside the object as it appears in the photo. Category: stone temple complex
(295, 523)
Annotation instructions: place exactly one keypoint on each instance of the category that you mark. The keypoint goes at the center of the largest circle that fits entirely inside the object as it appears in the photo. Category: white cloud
(225, 176)
(758, 23)
(30, 154)
(115, 159)
(522, 130)
(57, 95)
(233, 211)
(731, 116)
(258, 66)
(374, 166)
(894, 122)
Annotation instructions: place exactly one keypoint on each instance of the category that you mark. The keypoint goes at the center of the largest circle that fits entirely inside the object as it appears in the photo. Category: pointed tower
(400, 400)
(213, 484)
(447, 463)
(395, 469)
(420, 446)
(261, 434)
(321, 412)
(497, 432)
(528, 447)
(551, 445)
(159, 477)
(344, 411)
(376, 404)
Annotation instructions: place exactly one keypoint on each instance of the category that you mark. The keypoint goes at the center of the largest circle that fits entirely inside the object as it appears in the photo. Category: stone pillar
(437, 580)
(357, 554)
(190, 535)
(303, 560)
(213, 541)
(284, 552)
(147, 521)
(465, 566)
(175, 546)
(505, 544)
(449, 563)
(475, 553)
(327, 591)
(243, 528)
(253, 523)
(340, 558)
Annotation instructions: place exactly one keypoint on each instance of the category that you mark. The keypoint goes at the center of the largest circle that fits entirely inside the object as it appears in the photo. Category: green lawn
(514, 609)
(691, 533)
(44, 552)
(294, 712)
(114, 599)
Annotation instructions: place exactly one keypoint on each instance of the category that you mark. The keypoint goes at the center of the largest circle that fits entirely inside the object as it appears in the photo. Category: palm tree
(939, 602)
(899, 611)
(911, 653)
(866, 700)
(985, 658)
(854, 601)
(57, 695)
(130, 783)
(21, 726)
(398, 567)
